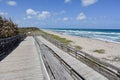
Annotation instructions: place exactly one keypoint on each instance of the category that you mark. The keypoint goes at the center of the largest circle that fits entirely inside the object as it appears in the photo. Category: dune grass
(24, 30)
(100, 51)
(78, 47)
(62, 40)
(117, 58)
(35, 30)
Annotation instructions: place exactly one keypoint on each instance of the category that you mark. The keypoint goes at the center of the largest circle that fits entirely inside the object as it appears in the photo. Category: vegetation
(25, 30)
(62, 40)
(7, 28)
(101, 51)
(117, 58)
(78, 47)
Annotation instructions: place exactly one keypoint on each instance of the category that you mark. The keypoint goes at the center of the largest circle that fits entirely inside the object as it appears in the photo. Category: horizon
(82, 14)
(82, 28)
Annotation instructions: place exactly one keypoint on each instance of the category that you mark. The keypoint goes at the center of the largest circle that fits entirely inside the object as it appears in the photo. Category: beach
(112, 50)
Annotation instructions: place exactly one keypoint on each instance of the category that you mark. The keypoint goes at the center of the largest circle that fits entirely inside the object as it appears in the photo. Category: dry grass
(62, 40)
(100, 51)
(78, 47)
(117, 58)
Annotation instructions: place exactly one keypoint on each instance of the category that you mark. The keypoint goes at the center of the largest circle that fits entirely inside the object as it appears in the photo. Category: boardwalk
(87, 72)
(26, 63)
(59, 72)
(22, 64)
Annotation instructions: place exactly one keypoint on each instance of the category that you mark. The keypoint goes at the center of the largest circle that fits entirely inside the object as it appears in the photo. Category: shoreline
(104, 40)
(112, 50)
(59, 34)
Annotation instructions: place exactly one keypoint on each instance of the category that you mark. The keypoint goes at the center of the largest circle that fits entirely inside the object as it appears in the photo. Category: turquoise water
(112, 35)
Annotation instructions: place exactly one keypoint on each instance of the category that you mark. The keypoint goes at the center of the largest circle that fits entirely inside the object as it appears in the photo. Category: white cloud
(29, 17)
(67, 1)
(88, 2)
(81, 16)
(44, 15)
(11, 3)
(59, 13)
(3, 13)
(37, 14)
(31, 12)
(65, 19)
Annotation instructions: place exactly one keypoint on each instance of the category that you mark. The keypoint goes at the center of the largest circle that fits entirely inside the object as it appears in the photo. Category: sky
(98, 14)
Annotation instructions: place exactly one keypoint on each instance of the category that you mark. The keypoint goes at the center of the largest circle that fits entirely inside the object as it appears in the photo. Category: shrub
(78, 47)
(7, 28)
(117, 58)
(101, 51)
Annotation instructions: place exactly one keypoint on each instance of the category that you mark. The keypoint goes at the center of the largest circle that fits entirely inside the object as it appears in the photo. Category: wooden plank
(80, 67)
(57, 69)
(22, 64)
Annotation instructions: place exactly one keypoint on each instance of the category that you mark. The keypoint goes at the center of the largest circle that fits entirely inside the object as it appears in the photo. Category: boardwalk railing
(67, 67)
(8, 44)
(106, 69)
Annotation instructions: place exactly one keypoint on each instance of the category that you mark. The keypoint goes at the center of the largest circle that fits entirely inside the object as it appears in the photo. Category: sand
(112, 50)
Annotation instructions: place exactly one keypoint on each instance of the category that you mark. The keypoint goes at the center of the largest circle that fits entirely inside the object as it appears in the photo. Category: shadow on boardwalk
(8, 45)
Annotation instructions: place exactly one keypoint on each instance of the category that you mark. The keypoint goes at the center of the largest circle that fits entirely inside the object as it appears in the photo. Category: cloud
(81, 16)
(88, 2)
(65, 19)
(3, 13)
(11, 3)
(67, 1)
(29, 17)
(37, 14)
(31, 12)
(59, 13)
(44, 15)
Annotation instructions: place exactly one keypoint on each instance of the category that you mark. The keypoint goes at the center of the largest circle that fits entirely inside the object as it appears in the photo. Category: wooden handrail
(110, 71)
(70, 70)
(7, 44)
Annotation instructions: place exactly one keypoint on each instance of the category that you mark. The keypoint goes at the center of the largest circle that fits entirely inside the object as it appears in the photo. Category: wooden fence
(44, 50)
(8, 44)
(110, 71)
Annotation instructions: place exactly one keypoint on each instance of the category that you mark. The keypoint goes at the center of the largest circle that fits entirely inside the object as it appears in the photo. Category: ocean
(111, 35)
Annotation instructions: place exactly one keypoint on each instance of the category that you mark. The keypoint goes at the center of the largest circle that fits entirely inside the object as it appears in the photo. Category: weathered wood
(82, 69)
(23, 63)
(54, 66)
(8, 44)
(108, 70)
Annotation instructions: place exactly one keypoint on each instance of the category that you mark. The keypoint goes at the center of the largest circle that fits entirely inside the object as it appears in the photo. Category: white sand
(112, 50)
